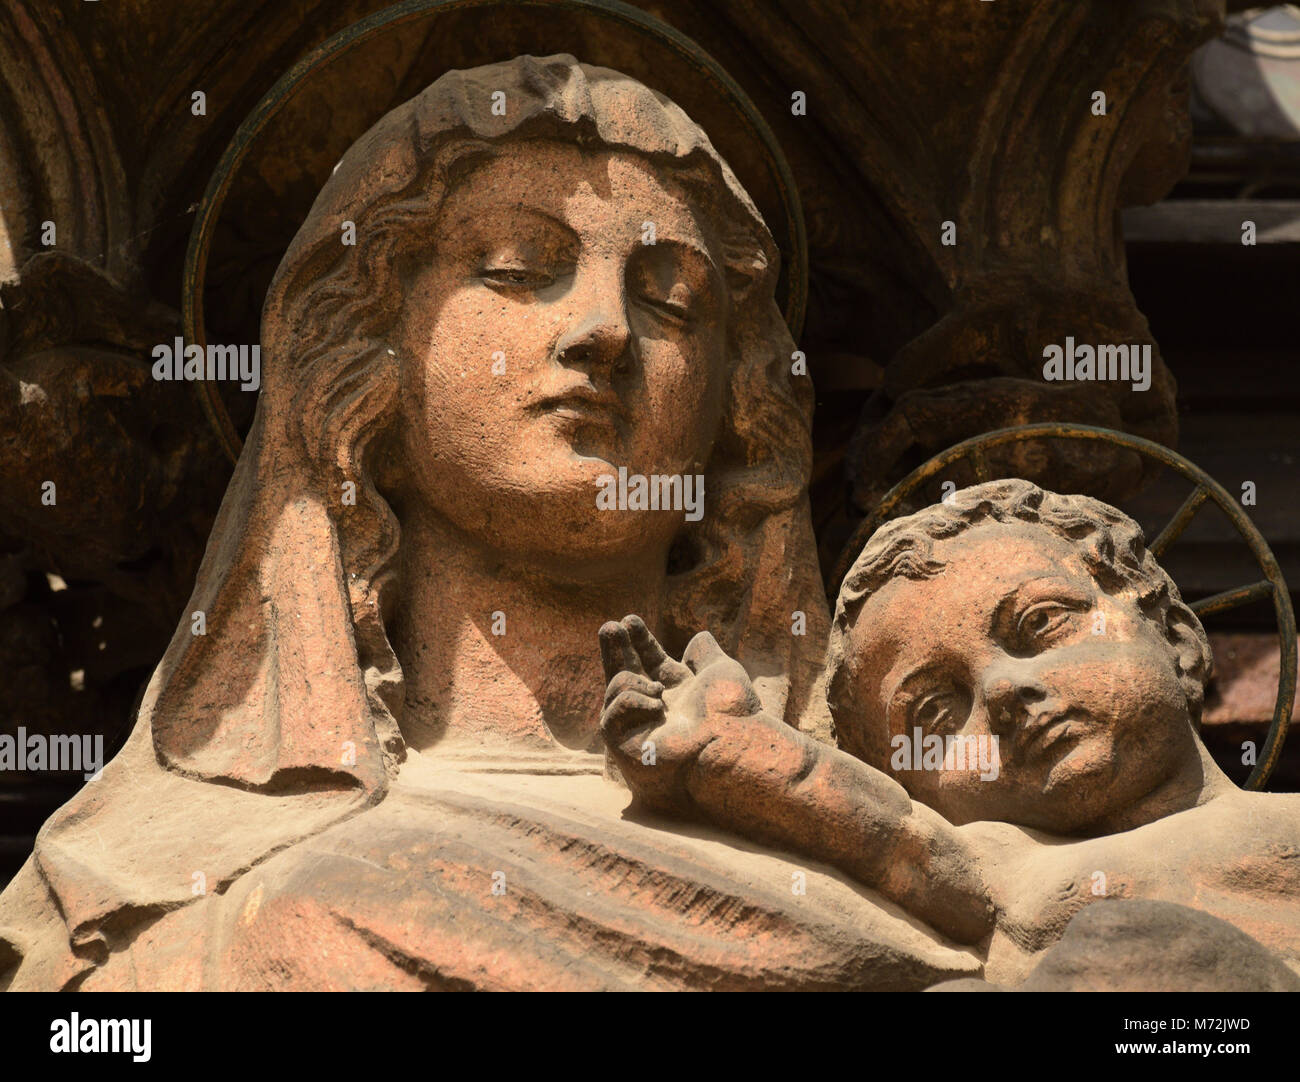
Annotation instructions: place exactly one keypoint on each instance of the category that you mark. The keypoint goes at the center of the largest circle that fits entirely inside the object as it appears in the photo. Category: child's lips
(1043, 733)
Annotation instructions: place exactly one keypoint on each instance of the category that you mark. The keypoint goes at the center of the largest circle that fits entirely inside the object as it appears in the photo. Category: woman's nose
(598, 339)
(598, 334)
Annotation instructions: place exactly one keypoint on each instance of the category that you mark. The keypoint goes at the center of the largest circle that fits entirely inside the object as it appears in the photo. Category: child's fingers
(632, 681)
(702, 651)
(616, 651)
(629, 712)
(653, 658)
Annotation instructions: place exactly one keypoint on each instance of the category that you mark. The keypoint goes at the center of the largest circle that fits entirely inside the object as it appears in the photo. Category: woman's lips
(584, 406)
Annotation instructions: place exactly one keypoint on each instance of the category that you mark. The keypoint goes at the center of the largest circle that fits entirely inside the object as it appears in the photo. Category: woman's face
(547, 342)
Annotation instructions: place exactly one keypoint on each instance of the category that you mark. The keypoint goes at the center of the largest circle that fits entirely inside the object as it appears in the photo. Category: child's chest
(1243, 868)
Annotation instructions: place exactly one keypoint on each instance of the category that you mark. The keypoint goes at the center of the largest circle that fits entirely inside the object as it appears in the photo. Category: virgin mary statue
(524, 373)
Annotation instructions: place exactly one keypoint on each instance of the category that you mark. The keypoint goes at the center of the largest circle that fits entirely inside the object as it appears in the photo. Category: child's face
(1016, 641)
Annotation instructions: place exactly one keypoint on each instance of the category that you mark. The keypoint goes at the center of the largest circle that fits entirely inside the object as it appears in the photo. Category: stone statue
(1016, 687)
(525, 370)
(370, 757)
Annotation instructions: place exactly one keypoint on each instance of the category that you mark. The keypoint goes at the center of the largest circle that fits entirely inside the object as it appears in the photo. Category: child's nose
(1010, 693)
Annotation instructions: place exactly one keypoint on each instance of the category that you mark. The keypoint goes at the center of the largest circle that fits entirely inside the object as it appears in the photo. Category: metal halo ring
(209, 208)
(1273, 584)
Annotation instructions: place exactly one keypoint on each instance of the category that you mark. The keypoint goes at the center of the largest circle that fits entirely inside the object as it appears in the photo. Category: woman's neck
(503, 655)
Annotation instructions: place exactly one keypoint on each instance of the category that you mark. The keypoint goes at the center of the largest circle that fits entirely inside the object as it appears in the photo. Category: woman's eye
(675, 302)
(677, 311)
(516, 277)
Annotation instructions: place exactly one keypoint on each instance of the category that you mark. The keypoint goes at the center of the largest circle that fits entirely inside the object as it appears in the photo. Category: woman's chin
(562, 523)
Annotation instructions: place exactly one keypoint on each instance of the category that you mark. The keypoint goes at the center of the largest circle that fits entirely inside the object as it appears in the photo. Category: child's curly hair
(1110, 543)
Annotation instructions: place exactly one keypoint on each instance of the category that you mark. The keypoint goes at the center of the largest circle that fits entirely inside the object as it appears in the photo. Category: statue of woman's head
(527, 277)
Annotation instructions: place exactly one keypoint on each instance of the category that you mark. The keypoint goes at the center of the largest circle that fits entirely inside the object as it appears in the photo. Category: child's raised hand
(660, 714)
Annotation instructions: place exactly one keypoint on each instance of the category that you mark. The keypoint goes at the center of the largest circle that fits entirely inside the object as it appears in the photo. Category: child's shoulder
(1237, 820)
(1275, 813)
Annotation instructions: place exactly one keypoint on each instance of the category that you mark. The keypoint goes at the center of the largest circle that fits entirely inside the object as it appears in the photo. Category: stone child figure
(1009, 616)
(380, 764)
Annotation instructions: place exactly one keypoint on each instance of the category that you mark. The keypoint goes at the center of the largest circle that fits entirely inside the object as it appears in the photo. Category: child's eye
(1040, 621)
(939, 711)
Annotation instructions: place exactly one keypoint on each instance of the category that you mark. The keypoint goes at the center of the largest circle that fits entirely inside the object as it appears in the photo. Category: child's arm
(691, 740)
